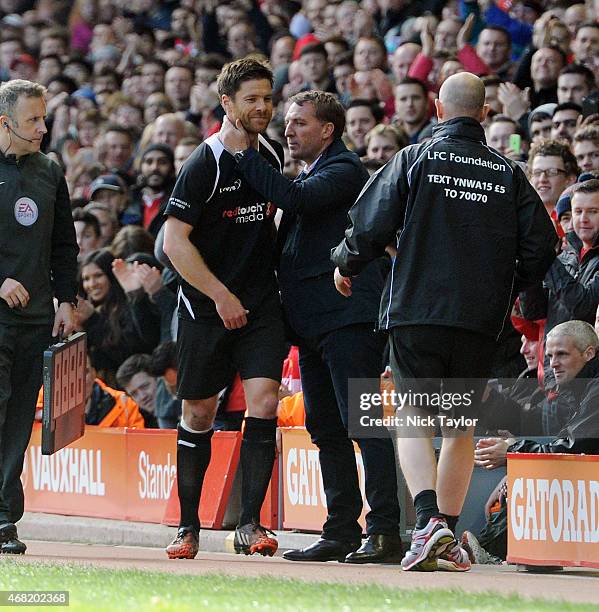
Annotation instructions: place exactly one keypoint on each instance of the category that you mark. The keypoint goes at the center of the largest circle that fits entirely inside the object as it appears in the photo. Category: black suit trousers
(326, 363)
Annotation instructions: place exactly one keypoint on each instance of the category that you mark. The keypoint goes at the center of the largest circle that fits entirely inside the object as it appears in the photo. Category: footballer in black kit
(220, 235)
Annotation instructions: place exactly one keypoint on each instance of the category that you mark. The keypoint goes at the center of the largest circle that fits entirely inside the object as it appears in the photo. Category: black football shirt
(233, 226)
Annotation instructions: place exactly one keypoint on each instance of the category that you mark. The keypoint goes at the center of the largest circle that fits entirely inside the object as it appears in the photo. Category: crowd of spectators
(132, 92)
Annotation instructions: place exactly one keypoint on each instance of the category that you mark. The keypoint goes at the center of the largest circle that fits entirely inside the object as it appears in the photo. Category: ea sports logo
(26, 212)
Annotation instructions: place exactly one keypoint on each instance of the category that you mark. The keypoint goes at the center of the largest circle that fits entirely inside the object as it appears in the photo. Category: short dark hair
(590, 186)
(314, 48)
(115, 127)
(589, 77)
(131, 366)
(164, 356)
(69, 83)
(568, 106)
(491, 80)
(326, 108)
(375, 109)
(413, 81)
(212, 61)
(554, 148)
(502, 30)
(235, 73)
(587, 24)
(88, 219)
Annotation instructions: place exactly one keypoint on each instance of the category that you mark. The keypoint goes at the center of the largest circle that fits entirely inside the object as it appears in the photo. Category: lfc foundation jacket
(38, 247)
(468, 227)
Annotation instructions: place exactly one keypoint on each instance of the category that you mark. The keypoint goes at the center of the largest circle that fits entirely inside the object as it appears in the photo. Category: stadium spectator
(164, 367)
(156, 179)
(110, 190)
(402, 59)
(106, 218)
(119, 322)
(564, 122)
(571, 288)
(183, 150)
(411, 107)
(586, 43)
(574, 83)
(551, 168)
(87, 230)
(135, 377)
(384, 141)
(169, 129)
(539, 123)
(108, 407)
(586, 148)
(314, 68)
(361, 117)
(178, 81)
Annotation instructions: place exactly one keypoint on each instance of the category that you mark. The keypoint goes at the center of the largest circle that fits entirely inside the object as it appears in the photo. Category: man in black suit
(335, 337)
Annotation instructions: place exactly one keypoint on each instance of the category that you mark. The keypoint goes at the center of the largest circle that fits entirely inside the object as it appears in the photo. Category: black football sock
(193, 456)
(452, 521)
(426, 507)
(258, 450)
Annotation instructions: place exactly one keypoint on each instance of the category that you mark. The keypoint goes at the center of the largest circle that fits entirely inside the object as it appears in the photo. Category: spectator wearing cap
(155, 183)
(539, 122)
(574, 83)
(563, 210)
(586, 148)
(110, 190)
(565, 120)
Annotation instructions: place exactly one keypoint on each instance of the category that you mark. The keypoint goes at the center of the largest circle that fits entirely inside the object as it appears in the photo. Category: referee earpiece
(5, 125)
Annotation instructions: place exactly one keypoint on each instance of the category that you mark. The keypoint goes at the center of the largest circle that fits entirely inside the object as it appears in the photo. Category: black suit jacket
(314, 220)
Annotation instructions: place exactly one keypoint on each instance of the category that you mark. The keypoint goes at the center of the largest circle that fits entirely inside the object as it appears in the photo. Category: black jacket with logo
(570, 289)
(38, 247)
(468, 227)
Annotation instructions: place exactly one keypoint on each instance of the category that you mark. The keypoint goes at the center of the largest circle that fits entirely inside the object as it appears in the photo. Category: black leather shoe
(378, 549)
(322, 550)
(9, 543)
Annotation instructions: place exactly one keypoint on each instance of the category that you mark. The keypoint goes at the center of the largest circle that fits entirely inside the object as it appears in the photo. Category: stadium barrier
(553, 509)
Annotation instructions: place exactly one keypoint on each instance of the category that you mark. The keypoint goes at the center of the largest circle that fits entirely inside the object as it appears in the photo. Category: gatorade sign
(553, 505)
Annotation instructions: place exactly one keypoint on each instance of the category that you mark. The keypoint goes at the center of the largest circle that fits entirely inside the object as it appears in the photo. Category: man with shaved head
(467, 231)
